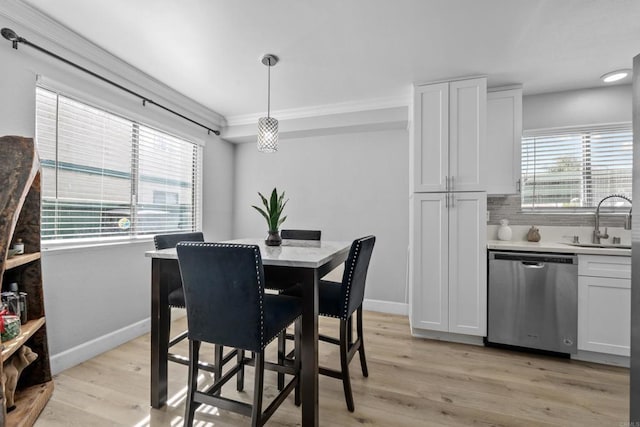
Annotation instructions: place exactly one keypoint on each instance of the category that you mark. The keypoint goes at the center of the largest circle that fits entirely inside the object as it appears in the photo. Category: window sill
(67, 247)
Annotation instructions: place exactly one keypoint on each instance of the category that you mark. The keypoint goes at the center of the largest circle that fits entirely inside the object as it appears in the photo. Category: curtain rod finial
(9, 34)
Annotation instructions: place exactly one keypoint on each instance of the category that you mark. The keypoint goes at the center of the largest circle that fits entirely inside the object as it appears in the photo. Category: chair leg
(240, 377)
(363, 359)
(256, 410)
(190, 407)
(298, 362)
(282, 351)
(217, 374)
(344, 364)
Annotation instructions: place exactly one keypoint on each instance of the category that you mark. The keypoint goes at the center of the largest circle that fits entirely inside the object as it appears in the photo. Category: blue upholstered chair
(176, 300)
(341, 300)
(226, 305)
(301, 234)
(176, 295)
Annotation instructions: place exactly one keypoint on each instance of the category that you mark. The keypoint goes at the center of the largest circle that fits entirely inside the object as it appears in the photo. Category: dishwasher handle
(533, 264)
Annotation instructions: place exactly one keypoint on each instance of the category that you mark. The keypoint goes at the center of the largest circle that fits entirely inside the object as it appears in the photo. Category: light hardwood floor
(412, 382)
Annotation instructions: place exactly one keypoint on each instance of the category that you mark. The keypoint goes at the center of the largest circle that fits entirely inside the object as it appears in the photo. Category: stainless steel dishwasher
(533, 300)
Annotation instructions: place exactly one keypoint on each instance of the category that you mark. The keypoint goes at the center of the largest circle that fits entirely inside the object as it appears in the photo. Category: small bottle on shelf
(19, 247)
(22, 304)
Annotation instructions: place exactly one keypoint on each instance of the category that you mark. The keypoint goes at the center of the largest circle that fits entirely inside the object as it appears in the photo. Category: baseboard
(386, 307)
(447, 336)
(606, 359)
(85, 351)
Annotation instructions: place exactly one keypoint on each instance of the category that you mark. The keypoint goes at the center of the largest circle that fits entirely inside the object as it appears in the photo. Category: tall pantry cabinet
(448, 297)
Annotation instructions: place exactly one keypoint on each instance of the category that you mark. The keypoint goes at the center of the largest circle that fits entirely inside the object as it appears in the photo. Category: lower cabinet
(604, 304)
(449, 262)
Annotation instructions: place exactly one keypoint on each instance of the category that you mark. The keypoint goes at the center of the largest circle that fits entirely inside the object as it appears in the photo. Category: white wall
(348, 185)
(577, 107)
(99, 297)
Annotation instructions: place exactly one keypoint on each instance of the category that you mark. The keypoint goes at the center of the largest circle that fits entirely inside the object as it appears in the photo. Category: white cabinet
(448, 262)
(448, 138)
(604, 304)
(504, 140)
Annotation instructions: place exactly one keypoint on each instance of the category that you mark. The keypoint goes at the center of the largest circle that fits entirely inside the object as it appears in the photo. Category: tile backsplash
(508, 207)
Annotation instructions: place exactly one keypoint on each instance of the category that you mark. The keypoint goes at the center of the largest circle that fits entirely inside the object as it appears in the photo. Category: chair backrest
(355, 274)
(224, 293)
(301, 234)
(164, 241)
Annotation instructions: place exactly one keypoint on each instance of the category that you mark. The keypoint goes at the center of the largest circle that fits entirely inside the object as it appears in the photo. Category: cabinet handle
(518, 186)
(446, 200)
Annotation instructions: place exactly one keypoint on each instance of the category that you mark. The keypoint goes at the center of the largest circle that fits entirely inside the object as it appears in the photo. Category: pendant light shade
(268, 126)
(268, 134)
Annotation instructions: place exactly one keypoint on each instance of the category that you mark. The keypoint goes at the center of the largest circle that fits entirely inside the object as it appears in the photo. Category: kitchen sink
(599, 245)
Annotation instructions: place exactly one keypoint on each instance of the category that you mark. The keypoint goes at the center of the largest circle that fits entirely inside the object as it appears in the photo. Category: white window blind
(576, 168)
(108, 177)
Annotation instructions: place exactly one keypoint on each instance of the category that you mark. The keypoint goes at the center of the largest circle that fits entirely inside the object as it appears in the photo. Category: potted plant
(273, 214)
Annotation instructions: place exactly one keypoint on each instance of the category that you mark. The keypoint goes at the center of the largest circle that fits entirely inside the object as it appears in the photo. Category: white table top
(292, 253)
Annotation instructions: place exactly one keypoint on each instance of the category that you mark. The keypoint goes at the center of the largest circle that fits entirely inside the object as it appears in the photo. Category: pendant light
(268, 126)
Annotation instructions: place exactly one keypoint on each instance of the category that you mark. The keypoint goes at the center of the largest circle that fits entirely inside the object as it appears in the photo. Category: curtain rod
(11, 35)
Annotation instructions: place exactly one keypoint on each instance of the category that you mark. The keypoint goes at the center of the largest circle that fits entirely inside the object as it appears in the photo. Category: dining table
(294, 261)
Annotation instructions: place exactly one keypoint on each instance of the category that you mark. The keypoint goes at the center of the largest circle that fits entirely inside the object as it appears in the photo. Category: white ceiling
(344, 51)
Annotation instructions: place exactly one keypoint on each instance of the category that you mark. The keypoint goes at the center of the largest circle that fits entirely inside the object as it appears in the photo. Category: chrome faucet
(627, 219)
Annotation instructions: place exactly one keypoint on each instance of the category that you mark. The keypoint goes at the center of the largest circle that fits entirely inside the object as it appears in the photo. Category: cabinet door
(504, 141)
(430, 138)
(429, 292)
(604, 315)
(467, 134)
(468, 264)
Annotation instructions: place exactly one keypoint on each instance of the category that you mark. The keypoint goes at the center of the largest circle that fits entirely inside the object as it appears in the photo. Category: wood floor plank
(412, 382)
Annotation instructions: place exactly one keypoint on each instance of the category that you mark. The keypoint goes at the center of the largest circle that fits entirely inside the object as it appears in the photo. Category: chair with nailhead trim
(226, 305)
(301, 234)
(341, 300)
(176, 300)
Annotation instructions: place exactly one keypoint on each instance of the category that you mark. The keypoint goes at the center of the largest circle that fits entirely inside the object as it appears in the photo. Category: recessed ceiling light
(616, 75)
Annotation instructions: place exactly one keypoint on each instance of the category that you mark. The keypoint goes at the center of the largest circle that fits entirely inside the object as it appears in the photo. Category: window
(105, 176)
(576, 168)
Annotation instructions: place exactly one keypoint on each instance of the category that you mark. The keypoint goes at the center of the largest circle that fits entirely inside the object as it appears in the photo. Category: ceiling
(341, 52)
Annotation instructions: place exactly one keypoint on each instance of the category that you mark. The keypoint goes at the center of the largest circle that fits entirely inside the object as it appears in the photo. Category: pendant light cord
(269, 89)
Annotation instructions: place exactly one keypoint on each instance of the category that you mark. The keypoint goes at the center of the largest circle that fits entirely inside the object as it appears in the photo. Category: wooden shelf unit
(20, 218)
(29, 403)
(18, 260)
(26, 331)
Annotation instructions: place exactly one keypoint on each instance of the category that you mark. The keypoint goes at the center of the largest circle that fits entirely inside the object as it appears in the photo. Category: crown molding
(70, 44)
(325, 110)
(372, 120)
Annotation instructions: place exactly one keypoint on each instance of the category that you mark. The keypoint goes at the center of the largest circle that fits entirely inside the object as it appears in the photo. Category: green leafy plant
(273, 209)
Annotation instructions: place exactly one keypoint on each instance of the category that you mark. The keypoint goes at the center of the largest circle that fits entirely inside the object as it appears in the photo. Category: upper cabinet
(504, 139)
(448, 140)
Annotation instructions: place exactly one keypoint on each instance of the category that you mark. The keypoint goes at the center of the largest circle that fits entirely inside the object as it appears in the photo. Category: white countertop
(556, 247)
